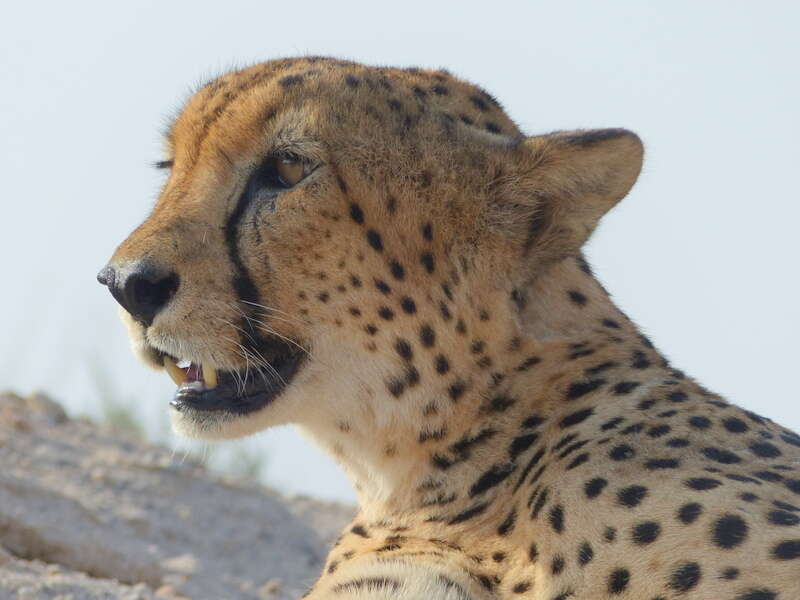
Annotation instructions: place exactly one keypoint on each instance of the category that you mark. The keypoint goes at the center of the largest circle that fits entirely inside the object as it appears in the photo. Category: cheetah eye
(290, 171)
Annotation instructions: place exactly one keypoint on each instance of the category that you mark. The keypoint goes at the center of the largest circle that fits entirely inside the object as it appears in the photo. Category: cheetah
(381, 257)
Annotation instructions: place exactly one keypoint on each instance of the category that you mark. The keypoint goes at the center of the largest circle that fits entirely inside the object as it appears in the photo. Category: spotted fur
(510, 433)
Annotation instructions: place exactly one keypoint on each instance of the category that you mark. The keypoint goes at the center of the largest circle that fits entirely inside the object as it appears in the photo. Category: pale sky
(702, 254)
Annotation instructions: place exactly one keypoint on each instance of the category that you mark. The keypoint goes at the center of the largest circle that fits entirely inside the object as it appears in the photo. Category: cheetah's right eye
(290, 171)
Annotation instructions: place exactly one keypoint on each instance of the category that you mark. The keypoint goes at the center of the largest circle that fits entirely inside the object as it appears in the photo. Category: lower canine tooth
(177, 374)
(210, 376)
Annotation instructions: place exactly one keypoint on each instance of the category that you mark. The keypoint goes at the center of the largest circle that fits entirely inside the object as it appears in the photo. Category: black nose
(141, 288)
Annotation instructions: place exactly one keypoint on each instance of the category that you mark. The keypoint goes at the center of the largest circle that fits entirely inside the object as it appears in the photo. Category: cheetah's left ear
(569, 180)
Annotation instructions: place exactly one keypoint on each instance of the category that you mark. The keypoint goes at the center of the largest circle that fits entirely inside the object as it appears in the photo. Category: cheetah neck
(457, 442)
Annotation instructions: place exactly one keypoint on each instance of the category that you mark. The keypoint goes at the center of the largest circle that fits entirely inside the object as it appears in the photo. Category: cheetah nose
(141, 288)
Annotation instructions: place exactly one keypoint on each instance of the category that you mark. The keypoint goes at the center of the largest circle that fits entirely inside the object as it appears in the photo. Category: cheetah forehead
(383, 100)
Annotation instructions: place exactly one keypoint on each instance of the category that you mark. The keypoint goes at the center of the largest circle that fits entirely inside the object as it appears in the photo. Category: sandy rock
(114, 517)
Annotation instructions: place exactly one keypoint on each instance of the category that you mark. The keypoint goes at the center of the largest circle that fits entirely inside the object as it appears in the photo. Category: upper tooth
(178, 375)
(210, 376)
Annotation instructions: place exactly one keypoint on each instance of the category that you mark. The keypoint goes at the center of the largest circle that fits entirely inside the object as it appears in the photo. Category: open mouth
(202, 388)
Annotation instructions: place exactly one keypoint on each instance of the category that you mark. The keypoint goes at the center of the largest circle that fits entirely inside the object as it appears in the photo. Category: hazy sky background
(702, 254)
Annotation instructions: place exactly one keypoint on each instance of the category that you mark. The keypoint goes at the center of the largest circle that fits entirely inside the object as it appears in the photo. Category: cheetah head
(322, 219)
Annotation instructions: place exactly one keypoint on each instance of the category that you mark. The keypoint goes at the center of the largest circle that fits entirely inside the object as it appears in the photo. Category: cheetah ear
(569, 180)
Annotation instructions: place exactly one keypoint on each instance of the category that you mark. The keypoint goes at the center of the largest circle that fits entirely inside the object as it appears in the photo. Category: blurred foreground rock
(89, 512)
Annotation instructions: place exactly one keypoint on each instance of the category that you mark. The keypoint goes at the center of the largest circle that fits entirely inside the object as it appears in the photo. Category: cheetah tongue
(185, 375)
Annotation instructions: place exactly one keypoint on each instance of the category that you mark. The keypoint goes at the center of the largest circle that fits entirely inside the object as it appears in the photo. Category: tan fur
(441, 439)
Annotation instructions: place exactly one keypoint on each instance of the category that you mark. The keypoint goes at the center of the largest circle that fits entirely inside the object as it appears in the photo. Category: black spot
(577, 297)
(769, 476)
(585, 554)
(578, 461)
(594, 487)
(492, 127)
(577, 417)
(394, 104)
(528, 363)
(445, 312)
(359, 531)
(640, 360)
(479, 103)
(578, 389)
(408, 305)
(500, 403)
(635, 428)
(456, 390)
(442, 365)
(786, 506)
(618, 580)
(521, 587)
(793, 485)
(494, 476)
(646, 532)
(611, 423)
(440, 90)
(383, 287)
(631, 496)
(748, 497)
(610, 534)
(419, 92)
(356, 213)
(396, 387)
(702, 483)
(540, 502)
(374, 239)
(403, 348)
(788, 550)
(468, 514)
(521, 444)
(765, 450)
(783, 518)
(730, 573)
(659, 430)
(735, 425)
(556, 518)
(355, 281)
(398, 272)
(558, 564)
(290, 80)
(688, 513)
(508, 524)
(611, 323)
(427, 336)
(625, 387)
(791, 438)
(677, 396)
(426, 258)
(720, 455)
(677, 443)
(685, 577)
(323, 296)
(351, 80)
(757, 594)
(729, 531)
(621, 452)
(699, 422)
(661, 463)
(386, 313)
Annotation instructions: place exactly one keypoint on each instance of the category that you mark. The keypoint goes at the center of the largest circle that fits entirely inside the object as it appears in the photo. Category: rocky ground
(89, 512)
